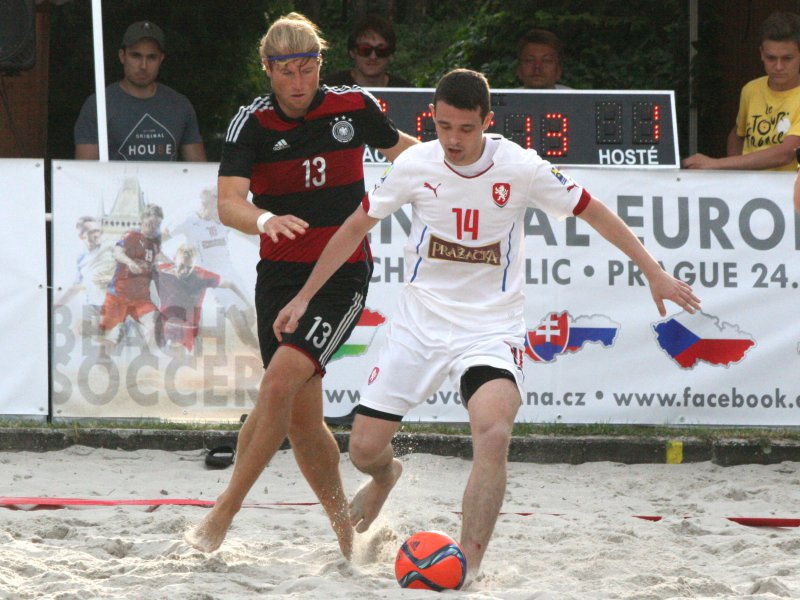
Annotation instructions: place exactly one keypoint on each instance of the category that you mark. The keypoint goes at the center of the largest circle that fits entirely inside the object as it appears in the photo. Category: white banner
(603, 353)
(23, 304)
(599, 350)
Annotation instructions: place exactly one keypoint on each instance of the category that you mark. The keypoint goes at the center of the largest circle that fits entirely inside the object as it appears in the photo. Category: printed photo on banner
(153, 311)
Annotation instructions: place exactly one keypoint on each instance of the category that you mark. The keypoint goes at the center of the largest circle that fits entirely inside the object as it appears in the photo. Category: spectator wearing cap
(147, 120)
(371, 45)
(539, 54)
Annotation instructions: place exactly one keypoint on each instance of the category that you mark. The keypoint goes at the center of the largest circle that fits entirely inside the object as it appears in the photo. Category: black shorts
(329, 319)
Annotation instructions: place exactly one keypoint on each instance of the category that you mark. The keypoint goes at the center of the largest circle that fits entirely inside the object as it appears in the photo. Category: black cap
(141, 30)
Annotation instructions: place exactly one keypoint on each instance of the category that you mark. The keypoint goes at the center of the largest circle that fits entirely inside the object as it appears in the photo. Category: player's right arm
(339, 248)
(122, 257)
(404, 141)
(236, 211)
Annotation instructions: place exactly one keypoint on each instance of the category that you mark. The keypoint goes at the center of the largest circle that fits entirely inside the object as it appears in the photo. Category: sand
(582, 540)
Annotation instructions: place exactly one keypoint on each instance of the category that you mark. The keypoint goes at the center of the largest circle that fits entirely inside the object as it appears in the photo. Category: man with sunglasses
(371, 45)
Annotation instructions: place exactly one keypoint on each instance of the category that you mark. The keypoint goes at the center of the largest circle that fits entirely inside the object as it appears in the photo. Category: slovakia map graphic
(560, 333)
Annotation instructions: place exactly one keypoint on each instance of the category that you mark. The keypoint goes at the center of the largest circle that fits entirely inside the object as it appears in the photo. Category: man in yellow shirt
(767, 129)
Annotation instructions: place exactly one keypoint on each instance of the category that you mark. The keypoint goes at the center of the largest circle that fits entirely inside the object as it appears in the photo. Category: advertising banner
(597, 348)
(23, 304)
(599, 352)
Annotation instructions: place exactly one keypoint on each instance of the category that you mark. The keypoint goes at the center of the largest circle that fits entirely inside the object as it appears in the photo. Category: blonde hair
(291, 34)
(186, 248)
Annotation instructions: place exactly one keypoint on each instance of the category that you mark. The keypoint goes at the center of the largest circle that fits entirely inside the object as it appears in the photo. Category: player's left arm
(403, 142)
(336, 252)
(663, 286)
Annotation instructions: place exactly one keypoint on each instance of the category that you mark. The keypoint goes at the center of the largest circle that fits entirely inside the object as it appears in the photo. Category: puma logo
(431, 188)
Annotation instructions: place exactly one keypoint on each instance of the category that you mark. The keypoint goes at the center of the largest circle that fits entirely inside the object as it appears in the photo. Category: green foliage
(616, 45)
(212, 49)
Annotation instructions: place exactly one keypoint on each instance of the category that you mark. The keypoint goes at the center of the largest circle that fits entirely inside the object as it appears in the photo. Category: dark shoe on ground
(220, 457)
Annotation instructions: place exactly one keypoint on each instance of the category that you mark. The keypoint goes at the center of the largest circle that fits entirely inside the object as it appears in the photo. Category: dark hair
(82, 221)
(464, 89)
(152, 210)
(378, 24)
(781, 27)
(541, 36)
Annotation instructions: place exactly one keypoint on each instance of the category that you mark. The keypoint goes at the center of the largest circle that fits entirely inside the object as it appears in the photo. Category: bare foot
(344, 532)
(209, 533)
(368, 501)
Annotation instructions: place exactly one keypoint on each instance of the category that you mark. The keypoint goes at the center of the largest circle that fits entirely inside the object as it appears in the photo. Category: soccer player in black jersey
(299, 151)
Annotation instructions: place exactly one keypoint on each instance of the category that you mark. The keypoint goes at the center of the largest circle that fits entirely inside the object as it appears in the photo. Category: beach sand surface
(581, 538)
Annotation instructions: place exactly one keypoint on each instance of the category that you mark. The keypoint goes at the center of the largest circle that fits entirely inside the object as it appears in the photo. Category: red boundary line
(56, 503)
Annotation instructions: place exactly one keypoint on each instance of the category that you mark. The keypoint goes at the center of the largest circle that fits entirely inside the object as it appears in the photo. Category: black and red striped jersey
(311, 167)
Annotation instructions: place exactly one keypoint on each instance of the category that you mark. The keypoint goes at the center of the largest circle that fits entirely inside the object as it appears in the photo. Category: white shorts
(422, 348)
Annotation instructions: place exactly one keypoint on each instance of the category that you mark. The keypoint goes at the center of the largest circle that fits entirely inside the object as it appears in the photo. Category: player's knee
(363, 451)
(360, 452)
(495, 437)
(276, 391)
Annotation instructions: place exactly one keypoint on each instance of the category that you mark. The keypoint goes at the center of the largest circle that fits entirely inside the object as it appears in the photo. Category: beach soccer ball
(430, 560)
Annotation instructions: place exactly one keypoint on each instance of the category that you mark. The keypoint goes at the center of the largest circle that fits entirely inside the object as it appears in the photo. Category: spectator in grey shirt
(147, 120)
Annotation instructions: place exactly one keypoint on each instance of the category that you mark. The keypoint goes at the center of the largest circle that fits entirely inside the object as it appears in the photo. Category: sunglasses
(365, 50)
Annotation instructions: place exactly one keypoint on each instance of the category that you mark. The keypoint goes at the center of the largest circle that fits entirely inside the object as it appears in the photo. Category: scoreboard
(567, 127)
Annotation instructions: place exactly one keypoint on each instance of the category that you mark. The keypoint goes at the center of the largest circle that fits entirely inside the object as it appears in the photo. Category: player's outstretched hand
(664, 286)
(289, 317)
(286, 225)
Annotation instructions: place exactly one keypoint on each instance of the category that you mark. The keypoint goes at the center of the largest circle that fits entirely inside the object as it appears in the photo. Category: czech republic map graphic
(690, 339)
(687, 339)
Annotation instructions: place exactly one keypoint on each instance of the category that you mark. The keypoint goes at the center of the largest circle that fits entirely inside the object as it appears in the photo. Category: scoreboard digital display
(567, 127)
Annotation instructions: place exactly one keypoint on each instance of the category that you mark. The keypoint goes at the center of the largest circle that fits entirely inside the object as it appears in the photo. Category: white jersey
(210, 238)
(94, 271)
(465, 254)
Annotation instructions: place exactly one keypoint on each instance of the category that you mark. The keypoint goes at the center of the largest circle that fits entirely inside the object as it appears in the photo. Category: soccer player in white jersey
(209, 237)
(461, 311)
(95, 267)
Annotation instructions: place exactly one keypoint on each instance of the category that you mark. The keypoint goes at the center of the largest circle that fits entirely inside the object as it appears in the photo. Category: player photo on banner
(23, 303)
(153, 311)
